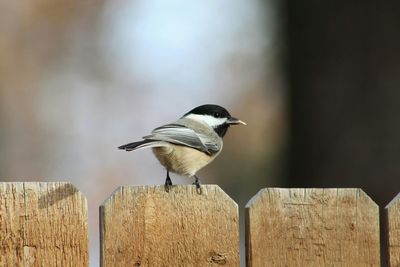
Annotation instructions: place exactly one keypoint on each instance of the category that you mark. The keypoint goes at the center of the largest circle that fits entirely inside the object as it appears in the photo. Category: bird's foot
(168, 184)
(197, 184)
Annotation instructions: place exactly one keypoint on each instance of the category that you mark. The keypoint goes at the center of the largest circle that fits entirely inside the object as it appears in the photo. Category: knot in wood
(218, 258)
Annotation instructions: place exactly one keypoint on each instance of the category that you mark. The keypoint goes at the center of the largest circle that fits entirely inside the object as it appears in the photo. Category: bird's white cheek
(210, 120)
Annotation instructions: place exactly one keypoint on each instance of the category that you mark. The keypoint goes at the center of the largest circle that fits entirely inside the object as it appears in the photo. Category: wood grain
(146, 226)
(392, 214)
(42, 224)
(312, 227)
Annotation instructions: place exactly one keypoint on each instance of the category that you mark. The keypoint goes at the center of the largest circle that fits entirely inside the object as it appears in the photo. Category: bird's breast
(182, 160)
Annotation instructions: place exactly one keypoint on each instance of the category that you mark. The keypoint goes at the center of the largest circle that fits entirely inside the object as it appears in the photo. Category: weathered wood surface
(146, 226)
(42, 224)
(312, 227)
(392, 214)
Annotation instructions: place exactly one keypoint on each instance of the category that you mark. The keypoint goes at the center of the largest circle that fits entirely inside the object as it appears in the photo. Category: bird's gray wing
(182, 135)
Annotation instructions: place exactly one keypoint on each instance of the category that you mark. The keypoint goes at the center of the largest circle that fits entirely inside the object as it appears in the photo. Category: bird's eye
(217, 115)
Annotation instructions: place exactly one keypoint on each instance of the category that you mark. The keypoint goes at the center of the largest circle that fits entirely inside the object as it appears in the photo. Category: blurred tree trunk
(344, 75)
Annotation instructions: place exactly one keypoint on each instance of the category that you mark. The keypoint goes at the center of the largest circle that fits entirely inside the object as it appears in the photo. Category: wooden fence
(45, 224)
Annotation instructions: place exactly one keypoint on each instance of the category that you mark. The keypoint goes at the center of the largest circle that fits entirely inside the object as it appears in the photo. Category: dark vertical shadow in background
(343, 65)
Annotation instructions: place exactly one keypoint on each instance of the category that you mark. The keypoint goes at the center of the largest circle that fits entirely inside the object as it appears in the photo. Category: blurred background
(316, 82)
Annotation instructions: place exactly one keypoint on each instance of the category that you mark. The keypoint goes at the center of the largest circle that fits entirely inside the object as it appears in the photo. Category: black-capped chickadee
(190, 143)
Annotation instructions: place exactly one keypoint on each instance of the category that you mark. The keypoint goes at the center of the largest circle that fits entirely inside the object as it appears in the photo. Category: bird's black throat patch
(221, 129)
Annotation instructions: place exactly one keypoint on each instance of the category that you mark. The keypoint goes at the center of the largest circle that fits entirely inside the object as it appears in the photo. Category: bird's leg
(197, 184)
(168, 182)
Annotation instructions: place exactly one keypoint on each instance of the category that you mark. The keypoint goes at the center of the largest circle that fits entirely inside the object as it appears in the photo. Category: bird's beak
(235, 121)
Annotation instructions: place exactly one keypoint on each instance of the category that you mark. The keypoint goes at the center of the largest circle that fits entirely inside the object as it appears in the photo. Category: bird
(190, 143)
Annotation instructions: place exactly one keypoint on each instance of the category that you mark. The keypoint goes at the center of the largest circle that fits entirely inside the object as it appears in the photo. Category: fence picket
(146, 226)
(312, 227)
(392, 214)
(42, 224)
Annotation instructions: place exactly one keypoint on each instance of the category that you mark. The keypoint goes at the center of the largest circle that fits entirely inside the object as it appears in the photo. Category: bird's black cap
(210, 109)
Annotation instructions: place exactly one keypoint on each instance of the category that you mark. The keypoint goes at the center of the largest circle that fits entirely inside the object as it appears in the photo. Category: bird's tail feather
(142, 144)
